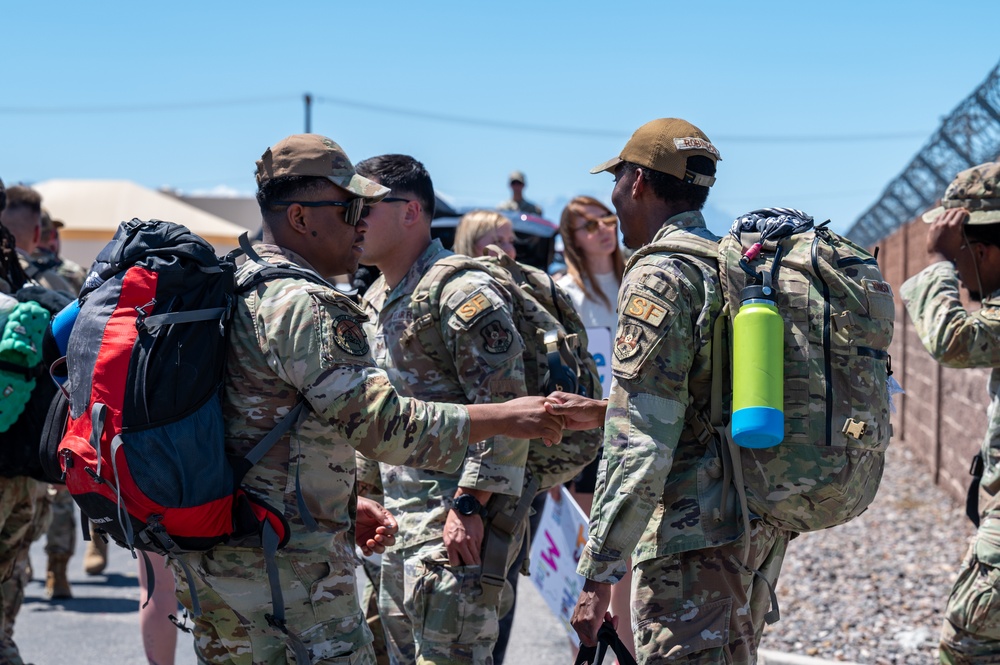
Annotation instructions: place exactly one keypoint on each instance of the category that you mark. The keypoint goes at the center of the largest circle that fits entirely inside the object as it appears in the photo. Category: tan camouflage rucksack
(555, 347)
(838, 314)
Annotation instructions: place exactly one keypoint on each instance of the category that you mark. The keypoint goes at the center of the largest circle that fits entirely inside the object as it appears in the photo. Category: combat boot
(96, 557)
(56, 582)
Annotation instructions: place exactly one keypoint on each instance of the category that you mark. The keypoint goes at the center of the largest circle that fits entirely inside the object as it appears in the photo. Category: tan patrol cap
(664, 145)
(517, 176)
(317, 156)
(977, 190)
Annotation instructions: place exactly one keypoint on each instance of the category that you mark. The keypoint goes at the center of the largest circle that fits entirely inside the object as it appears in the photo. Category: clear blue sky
(812, 105)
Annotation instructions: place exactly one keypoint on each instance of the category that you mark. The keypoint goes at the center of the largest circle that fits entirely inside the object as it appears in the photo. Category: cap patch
(695, 143)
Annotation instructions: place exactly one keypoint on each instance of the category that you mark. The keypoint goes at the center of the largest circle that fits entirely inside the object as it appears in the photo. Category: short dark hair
(671, 188)
(285, 188)
(987, 234)
(401, 173)
(22, 196)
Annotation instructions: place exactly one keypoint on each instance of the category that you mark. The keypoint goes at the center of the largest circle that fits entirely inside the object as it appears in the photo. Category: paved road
(100, 624)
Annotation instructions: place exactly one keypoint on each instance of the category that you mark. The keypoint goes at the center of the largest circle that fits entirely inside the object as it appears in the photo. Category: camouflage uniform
(959, 338)
(17, 512)
(659, 488)
(520, 206)
(291, 337)
(434, 612)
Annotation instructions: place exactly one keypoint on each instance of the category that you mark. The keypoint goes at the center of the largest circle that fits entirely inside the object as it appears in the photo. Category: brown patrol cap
(317, 156)
(664, 145)
(977, 190)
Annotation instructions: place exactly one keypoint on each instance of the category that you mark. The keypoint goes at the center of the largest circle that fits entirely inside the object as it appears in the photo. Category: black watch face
(467, 504)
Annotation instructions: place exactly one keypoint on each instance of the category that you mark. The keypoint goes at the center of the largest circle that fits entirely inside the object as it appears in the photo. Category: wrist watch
(466, 504)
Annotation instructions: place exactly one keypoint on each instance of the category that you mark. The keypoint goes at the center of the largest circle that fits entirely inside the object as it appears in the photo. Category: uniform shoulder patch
(497, 337)
(473, 306)
(628, 342)
(646, 309)
(349, 336)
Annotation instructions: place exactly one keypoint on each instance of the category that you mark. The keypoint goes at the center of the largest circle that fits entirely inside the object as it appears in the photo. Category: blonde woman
(594, 269)
(480, 228)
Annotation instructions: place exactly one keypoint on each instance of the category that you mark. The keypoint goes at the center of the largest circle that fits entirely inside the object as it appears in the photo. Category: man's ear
(295, 218)
(639, 184)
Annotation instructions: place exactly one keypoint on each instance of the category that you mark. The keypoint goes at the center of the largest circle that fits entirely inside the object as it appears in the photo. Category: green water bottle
(758, 370)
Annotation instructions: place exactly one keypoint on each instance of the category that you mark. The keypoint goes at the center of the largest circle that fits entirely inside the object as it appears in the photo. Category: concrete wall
(942, 416)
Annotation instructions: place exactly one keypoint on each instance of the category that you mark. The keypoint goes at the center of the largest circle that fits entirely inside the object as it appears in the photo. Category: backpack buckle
(855, 428)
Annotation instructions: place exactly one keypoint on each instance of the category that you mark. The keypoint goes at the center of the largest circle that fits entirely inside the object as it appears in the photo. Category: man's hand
(521, 418)
(591, 611)
(578, 412)
(463, 537)
(374, 528)
(945, 238)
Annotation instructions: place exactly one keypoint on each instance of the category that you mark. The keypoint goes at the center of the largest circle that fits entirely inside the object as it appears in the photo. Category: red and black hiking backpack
(141, 446)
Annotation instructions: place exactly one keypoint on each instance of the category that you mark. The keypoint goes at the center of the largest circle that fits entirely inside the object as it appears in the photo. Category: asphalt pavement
(100, 624)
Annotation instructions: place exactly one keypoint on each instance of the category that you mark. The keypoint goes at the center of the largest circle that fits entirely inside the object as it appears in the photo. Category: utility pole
(309, 100)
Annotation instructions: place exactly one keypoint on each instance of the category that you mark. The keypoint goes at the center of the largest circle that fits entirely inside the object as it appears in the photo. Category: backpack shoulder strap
(679, 242)
(425, 301)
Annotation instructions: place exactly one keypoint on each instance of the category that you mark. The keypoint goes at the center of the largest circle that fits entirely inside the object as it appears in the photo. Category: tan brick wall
(942, 416)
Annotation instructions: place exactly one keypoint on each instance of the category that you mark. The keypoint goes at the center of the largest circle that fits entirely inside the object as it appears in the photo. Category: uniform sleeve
(317, 345)
(652, 355)
(952, 334)
(478, 329)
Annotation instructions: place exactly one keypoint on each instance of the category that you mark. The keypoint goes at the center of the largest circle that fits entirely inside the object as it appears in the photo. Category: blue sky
(812, 105)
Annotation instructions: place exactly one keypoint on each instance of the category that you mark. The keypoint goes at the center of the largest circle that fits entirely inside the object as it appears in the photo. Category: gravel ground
(873, 590)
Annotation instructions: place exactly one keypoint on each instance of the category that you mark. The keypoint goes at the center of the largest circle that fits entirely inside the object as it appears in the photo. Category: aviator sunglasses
(356, 208)
(591, 225)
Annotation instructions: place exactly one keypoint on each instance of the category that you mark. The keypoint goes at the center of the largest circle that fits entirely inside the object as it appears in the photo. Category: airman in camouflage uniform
(431, 601)
(963, 244)
(659, 490)
(294, 337)
(17, 514)
(517, 202)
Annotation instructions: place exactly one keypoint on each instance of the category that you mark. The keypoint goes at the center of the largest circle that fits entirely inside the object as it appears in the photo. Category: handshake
(536, 417)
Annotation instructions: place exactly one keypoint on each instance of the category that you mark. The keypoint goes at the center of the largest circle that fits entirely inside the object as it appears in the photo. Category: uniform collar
(282, 256)
(691, 219)
(434, 252)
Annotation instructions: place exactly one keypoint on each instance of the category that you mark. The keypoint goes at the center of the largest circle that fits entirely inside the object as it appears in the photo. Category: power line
(143, 108)
(441, 117)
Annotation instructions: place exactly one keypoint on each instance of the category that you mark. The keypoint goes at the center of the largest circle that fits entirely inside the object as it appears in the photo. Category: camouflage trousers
(321, 608)
(61, 535)
(703, 606)
(18, 497)
(369, 603)
(971, 631)
(434, 613)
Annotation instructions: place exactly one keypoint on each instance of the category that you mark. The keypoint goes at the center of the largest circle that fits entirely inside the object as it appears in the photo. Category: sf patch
(473, 307)
(498, 338)
(645, 309)
(628, 343)
(349, 336)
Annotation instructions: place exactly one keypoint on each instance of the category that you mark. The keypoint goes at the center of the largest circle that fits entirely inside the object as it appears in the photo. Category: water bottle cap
(757, 292)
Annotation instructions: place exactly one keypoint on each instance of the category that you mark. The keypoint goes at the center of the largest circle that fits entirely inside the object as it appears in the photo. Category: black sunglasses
(356, 208)
(394, 199)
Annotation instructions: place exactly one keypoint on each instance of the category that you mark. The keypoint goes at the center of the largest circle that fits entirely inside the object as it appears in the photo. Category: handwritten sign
(599, 345)
(555, 551)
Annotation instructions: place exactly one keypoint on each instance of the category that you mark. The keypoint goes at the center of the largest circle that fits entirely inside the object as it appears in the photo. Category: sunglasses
(592, 225)
(356, 208)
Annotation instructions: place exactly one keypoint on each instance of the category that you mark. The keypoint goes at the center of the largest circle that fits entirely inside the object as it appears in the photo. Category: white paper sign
(599, 345)
(555, 551)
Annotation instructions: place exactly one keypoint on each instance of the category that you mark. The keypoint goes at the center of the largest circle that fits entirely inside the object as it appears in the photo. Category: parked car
(534, 236)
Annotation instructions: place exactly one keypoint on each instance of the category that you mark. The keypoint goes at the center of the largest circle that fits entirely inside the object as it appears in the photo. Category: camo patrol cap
(317, 156)
(977, 190)
(664, 145)
(517, 176)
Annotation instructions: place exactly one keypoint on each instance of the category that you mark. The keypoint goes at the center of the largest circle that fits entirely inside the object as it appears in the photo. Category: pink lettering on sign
(549, 556)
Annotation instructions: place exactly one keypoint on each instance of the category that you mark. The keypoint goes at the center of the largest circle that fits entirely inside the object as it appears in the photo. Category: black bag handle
(607, 636)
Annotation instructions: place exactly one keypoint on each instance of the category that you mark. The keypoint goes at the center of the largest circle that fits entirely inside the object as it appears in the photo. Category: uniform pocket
(444, 603)
(702, 630)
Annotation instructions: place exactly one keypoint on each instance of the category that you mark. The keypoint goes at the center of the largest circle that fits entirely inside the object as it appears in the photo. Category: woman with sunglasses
(594, 269)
